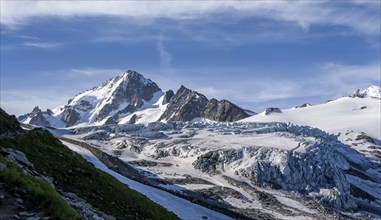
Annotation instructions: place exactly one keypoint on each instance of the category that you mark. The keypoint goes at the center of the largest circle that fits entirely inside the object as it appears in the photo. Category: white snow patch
(150, 112)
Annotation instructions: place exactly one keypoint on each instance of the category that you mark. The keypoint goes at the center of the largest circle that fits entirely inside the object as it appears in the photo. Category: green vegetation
(71, 173)
(8, 124)
(46, 195)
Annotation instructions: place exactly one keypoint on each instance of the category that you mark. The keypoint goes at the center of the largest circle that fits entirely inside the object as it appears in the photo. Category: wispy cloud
(341, 77)
(22, 101)
(165, 56)
(363, 18)
(27, 37)
(314, 84)
(93, 72)
(42, 45)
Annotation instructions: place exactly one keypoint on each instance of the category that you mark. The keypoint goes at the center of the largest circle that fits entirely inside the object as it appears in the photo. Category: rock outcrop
(303, 105)
(223, 111)
(187, 105)
(36, 117)
(167, 96)
(70, 117)
(272, 110)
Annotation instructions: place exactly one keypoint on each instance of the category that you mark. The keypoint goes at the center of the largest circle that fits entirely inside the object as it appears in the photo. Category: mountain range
(131, 98)
(307, 162)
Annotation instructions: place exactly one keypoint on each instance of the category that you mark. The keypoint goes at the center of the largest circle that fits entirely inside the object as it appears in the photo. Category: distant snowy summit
(370, 92)
(131, 98)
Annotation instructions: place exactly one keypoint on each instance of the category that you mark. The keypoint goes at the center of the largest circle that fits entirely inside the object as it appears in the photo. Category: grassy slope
(8, 124)
(72, 173)
(45, 194)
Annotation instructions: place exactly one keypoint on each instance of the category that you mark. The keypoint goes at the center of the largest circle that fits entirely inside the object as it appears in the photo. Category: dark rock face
(113, 119)
(39, 120)
(185, 105)
(36, 110)
(303, 106)
(366, 138)
(223, 111)
(70, 117)
(167, 96)
(133, 119)
(49, 112)
(271, 110)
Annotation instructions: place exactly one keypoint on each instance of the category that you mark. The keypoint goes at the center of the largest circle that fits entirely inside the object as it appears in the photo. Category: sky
(256, 54)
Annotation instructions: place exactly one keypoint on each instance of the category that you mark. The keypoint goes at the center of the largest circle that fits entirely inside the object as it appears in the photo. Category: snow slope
(353, 114)
(150, 112)
(184, 209)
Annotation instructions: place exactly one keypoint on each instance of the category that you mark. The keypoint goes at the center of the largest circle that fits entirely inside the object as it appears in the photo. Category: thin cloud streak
(91, 72)
(164, 55)
(302, 13)
(42, 45)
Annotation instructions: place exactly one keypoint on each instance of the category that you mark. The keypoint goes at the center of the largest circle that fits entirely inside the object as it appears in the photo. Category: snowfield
(338, 116)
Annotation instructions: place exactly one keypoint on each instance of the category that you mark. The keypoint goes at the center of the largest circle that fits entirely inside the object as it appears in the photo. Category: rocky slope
(187, 105)
(41, 178)
(131, 98)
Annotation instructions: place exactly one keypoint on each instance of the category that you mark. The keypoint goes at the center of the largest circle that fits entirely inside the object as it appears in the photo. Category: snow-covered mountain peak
(131, 98)
(121, 95)
(133, 76)
(370, 92)
(130, 80)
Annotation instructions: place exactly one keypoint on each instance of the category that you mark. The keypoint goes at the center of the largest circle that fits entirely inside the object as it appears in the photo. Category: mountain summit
(123, 94)
(131, 98)
(187, 105)
(370, 92)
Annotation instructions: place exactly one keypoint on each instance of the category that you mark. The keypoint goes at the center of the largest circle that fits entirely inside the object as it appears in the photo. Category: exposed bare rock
(272, 110)
(70, 117)
(223, 111)
(167, 96)
(187, 105)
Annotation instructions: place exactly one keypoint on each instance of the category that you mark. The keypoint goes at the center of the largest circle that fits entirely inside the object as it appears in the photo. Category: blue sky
(254, 53)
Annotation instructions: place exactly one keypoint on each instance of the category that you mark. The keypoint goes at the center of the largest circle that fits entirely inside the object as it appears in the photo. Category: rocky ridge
(187, 105)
